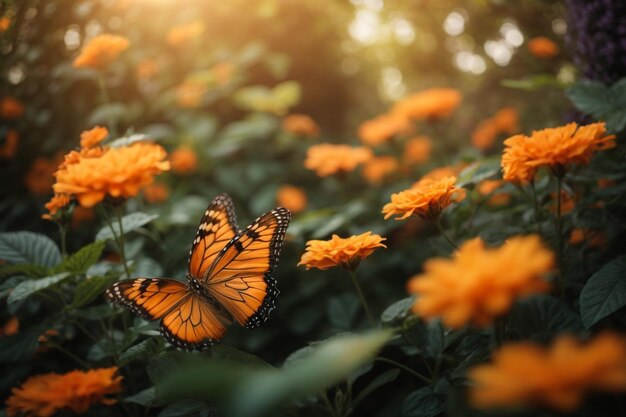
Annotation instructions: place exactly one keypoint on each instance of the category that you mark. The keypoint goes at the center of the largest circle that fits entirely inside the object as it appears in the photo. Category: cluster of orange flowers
(480, 284)
(426, 199)
(526, 374)
(344, 252)
(379, 167)
(156, 193)
(184, 160)
(543, 47)
(292, 198)
(417, 150)
(505, 120)
(432, 104)
(301, 125)
(555, 148)
(44, 395)
(328, 159)
(382, 128)
(101, 51)
(488, 188)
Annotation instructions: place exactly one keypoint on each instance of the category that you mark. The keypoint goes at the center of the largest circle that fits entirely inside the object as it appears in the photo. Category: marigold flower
(11, 108)
(488, 188)
(593, 238)
(101, 51)
(156, 193)
(184, 160)
(8, 149)
(11, 327)
(190, 93)
(558, 376)
(347, 253)
(426, 199)
(40, 176)
(543, 47)
(480, 284)
(379, 167)
(57, 202)
(327, 159)
(147, 69)
(440, 173)
(382, 128)
(92, 138)
(5, 23)
(432, 104)
(118, 172)
(507, 120)
(181, 34)
(44, 395)
(555, 148)
(568, 202)
(292, 198)
(417, 150)
(300, 124)
(504, 121)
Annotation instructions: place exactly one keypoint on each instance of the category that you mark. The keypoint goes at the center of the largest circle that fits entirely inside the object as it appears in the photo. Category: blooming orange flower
(8, 149)
(489, 187)
(426, 199)
(347, 253)
(92, 138)
(292, 198)
(440, 173)
(184, 160)
(382, 128)
(417, 150)
(5, 23)
(57, 202)
(379, 167)
(101, 51)
(480, 284)
(11, 327)
(507, 120)
(504, 121)
(543, 47)
(432, 104)
(190, 93)
(157, 192)
(556, 148)
(11, 108)
(147, 69)
(118, 172)
(181, 34)
(44, 395)
(558, 376)
(40, 176)
(327, 159)
(300, 124)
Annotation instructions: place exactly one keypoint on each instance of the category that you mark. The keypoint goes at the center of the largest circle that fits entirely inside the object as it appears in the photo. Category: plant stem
(445, 235)
(355, 281)
(121, 241)
(558, 225)
(533, 191)
(63, 232)
(330, 407)
(404, 368)
(69, 354)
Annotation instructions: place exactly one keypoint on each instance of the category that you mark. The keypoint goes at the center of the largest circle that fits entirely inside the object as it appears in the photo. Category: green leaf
(27, 288)
(540, 317)
(90, 288)
(183, 408)
(139, 351)
(422, 403)
(378, 382)
(604, 293)
(534, 83)
(342, 310)
(29, 270)
(79, 262)
(145, 398)
(130, 222)
(21, 346)
(29, 248)
(602, 102)
(397, 311)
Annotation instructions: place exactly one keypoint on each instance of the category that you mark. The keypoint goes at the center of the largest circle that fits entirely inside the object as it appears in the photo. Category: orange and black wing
(150, 298)
(217, 227)
(239, 278)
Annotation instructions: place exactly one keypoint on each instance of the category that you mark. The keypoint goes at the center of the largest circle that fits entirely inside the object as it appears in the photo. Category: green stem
(533, 191)
(558, 225)
(445, 235)
(329, 406)
(359, 291)
(63, 233)
(105, 101)
(121, 241)
(404, 368)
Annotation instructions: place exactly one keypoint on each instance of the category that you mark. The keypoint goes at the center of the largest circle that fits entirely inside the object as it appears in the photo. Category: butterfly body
(228, 279)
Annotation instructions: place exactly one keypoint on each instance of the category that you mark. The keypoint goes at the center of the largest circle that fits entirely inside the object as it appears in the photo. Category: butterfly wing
(239, 278)
(217, 227)
(150, 298)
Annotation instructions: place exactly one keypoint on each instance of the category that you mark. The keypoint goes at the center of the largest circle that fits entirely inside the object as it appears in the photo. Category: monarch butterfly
(228, 279)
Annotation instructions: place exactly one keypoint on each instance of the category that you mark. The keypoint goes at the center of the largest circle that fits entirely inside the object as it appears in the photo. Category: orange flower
(184, 160)
(40, 176)
(147, 69)
(223, 72)
(378, 168)
(347, 253)
(11, 108)
(44, 395)
(480, 284)
(555, 148)
(92, 138)
(156, 192)
(101, 51)
(417, 150)
(382, 128)
(543, 47)
(292, 198)
(5, 23)
(190, 93)
(440, 173)
(327, 159)
(594, 238)
(118, 172)
(11, 327)
(181, 34)
(568, 202)
(507, 120)
(426, 199)
(57, 202)
(504, 121)
(300, 124)
(488, 188)
(558, 376)
(432, 104)
(9, 148)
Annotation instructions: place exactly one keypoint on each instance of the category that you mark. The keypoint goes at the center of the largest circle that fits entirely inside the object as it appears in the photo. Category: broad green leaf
(541, 316)
(91, 288)
(603, 103)
(29, 270)
(130, 222)
(141, 350)
(422, 403)
(79, 262)
(479, 171)
(145, 398)
(397, 311)
(29, 248)
(22, 345)
(604, 293)
(379, 381)
(534, 83)
(27, 288)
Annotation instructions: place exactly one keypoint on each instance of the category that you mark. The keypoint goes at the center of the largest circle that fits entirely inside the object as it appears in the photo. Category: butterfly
(228, 279)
